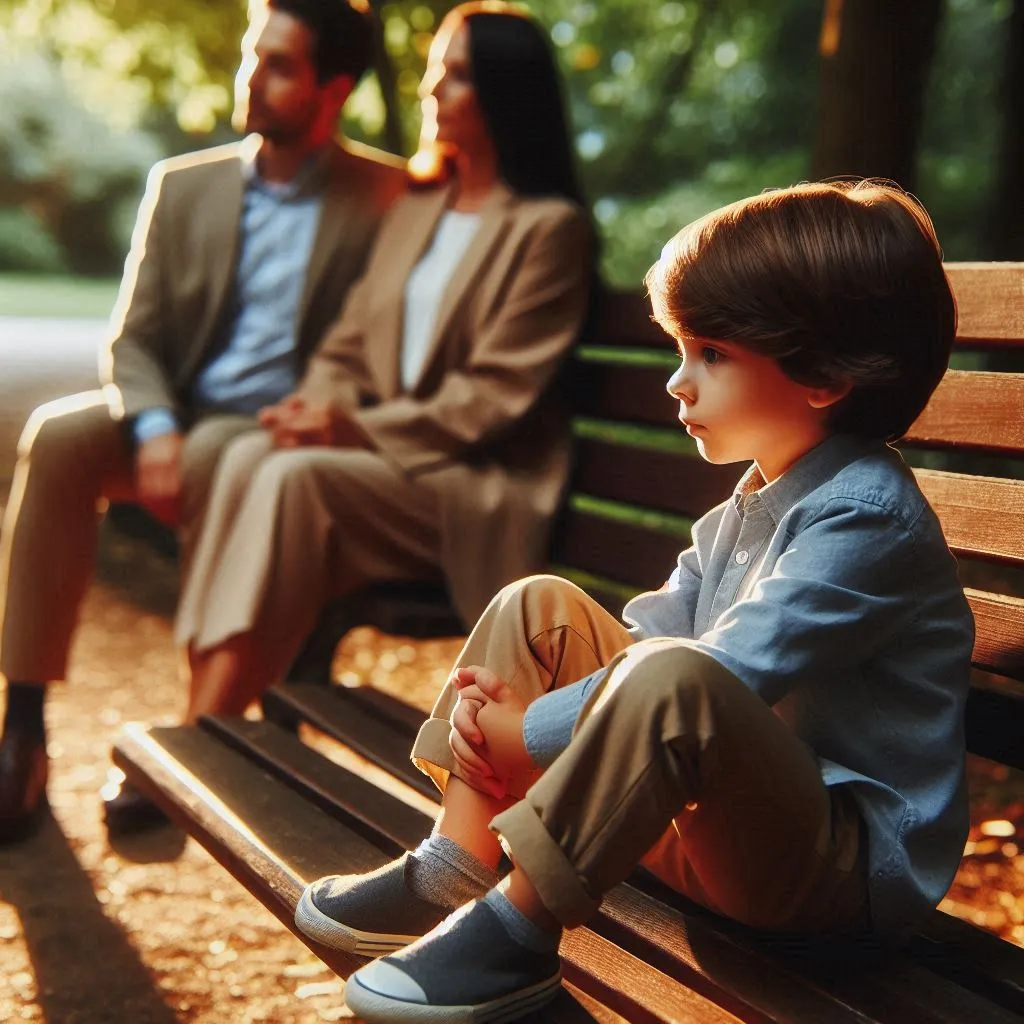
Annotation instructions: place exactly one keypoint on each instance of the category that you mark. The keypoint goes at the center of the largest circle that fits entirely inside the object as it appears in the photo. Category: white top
(426, 286)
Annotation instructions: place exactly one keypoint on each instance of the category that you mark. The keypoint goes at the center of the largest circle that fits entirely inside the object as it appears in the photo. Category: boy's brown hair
(837, 281)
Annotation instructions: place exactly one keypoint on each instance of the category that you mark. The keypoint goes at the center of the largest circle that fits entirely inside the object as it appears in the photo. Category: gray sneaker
(366, 914)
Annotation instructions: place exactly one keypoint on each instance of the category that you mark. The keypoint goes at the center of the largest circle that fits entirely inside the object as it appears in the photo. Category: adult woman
(426, 440)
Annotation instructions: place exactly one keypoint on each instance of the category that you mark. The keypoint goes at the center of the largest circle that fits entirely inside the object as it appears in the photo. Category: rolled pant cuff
(550, 872)
(431, 752)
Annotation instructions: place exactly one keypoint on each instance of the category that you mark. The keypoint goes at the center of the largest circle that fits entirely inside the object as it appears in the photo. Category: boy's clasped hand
(487, 732)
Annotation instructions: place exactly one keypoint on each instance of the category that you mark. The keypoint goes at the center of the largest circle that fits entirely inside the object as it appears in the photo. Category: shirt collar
(809, 472)
(308, 181)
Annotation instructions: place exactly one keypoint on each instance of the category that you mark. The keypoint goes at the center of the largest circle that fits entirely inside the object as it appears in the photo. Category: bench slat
(980, 515)
(689, 946)
(669, 482)
(990, 302)
(362, 806)
(976, 959)
(999, 640)
(619, 551)
(228, 805)
(366, 732)
(976, 410)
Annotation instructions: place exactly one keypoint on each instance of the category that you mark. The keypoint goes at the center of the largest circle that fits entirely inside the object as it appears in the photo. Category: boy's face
(740, 406)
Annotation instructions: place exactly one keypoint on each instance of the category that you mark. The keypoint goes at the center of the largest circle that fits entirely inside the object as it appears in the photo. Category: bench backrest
(639, 483)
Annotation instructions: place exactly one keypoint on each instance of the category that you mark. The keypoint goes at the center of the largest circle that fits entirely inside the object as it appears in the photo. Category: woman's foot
(484, 963)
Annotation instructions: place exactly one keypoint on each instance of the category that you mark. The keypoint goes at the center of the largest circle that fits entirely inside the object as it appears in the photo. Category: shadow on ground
(60, 914)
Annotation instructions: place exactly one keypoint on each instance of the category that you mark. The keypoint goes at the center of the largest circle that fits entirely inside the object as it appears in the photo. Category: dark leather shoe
(126, 811)
(23, 771)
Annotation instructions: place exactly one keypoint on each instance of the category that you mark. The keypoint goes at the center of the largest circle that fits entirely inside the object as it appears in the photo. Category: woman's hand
(296, 423)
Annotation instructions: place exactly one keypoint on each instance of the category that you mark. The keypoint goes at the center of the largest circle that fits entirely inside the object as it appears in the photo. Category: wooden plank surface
(679, 483)
(619, 551)
(338, 714)
(999, 638)
(974, 958)
(990, 302)
(380, 818)
(981, 516)
(275, 843)
(974, 410)
(250, 822)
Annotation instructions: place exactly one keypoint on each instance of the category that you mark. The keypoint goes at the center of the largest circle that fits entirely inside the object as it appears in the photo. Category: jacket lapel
(383, 353)
(493, 214)
(221, 217)
(336, 214)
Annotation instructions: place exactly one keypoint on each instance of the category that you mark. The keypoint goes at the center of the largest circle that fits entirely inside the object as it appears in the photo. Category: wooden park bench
(278, 813)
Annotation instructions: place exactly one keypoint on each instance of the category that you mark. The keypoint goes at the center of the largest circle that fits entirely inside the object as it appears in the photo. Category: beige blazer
(174, 304)
(483, 425)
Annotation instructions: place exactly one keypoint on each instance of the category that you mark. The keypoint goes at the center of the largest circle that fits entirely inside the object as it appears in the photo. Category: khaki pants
(675, 764)
(286, 530)
(72, 458)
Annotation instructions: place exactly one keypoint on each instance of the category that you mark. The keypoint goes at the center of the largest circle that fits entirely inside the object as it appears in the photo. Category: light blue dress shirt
(258, 366)
(832, 594)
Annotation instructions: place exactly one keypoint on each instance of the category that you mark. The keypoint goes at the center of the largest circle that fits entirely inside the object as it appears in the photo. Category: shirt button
(741, 557)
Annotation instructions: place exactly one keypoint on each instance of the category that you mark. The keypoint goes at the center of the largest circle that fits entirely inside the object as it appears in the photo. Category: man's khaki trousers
(73, 457)
(674, 764)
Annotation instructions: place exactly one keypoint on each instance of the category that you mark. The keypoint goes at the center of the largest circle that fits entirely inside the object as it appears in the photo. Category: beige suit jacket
(484, 425)
(174, 305)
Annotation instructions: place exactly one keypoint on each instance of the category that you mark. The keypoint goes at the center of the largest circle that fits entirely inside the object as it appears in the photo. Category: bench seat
(277, 814)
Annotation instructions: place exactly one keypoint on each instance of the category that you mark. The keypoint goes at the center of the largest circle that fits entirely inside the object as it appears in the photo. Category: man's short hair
(837, 281)
(343, 34)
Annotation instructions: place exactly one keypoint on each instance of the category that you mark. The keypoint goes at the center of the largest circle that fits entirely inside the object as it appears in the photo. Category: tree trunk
(394, 138)
(875, 56)
(1005, 235)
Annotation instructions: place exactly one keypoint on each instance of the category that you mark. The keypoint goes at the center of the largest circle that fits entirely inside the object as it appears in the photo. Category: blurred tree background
(678, 106)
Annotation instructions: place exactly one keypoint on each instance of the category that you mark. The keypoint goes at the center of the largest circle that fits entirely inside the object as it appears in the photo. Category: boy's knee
(545, 600)
(666, 670)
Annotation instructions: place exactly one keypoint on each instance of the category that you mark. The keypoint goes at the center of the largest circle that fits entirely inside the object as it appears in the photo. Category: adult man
(240, 260)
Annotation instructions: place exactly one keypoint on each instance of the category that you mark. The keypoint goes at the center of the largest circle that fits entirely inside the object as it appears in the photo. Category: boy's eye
(711, 355)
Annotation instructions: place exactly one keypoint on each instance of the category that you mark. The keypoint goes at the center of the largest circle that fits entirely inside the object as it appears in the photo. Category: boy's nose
(680, 386)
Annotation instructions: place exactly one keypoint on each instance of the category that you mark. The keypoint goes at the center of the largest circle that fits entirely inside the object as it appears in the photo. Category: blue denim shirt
(258, 366)
(831, 593)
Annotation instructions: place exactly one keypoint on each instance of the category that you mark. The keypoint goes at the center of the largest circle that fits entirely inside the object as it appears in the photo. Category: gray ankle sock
(520, 928)
(442, 872)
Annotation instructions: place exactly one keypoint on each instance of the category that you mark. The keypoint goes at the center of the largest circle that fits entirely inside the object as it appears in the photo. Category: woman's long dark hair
(520, 95)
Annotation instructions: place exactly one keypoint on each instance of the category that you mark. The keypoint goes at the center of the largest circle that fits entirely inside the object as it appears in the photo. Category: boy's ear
(829, 394)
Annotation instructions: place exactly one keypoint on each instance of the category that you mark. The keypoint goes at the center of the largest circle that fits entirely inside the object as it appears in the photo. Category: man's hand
(158, 476)
(487, 731)
(294, 423)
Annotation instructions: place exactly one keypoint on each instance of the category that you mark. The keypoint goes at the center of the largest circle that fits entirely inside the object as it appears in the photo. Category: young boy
(777, 733)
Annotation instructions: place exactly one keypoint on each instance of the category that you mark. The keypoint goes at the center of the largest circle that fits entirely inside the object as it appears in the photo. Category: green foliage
(69, 171)
(678, 105)
(26, 245)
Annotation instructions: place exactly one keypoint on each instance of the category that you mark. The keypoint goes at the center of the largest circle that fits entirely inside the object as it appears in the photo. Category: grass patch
(31, 295)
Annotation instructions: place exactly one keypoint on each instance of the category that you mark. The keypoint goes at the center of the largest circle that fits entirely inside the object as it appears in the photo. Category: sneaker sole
(317, 925)
(377, 1008)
